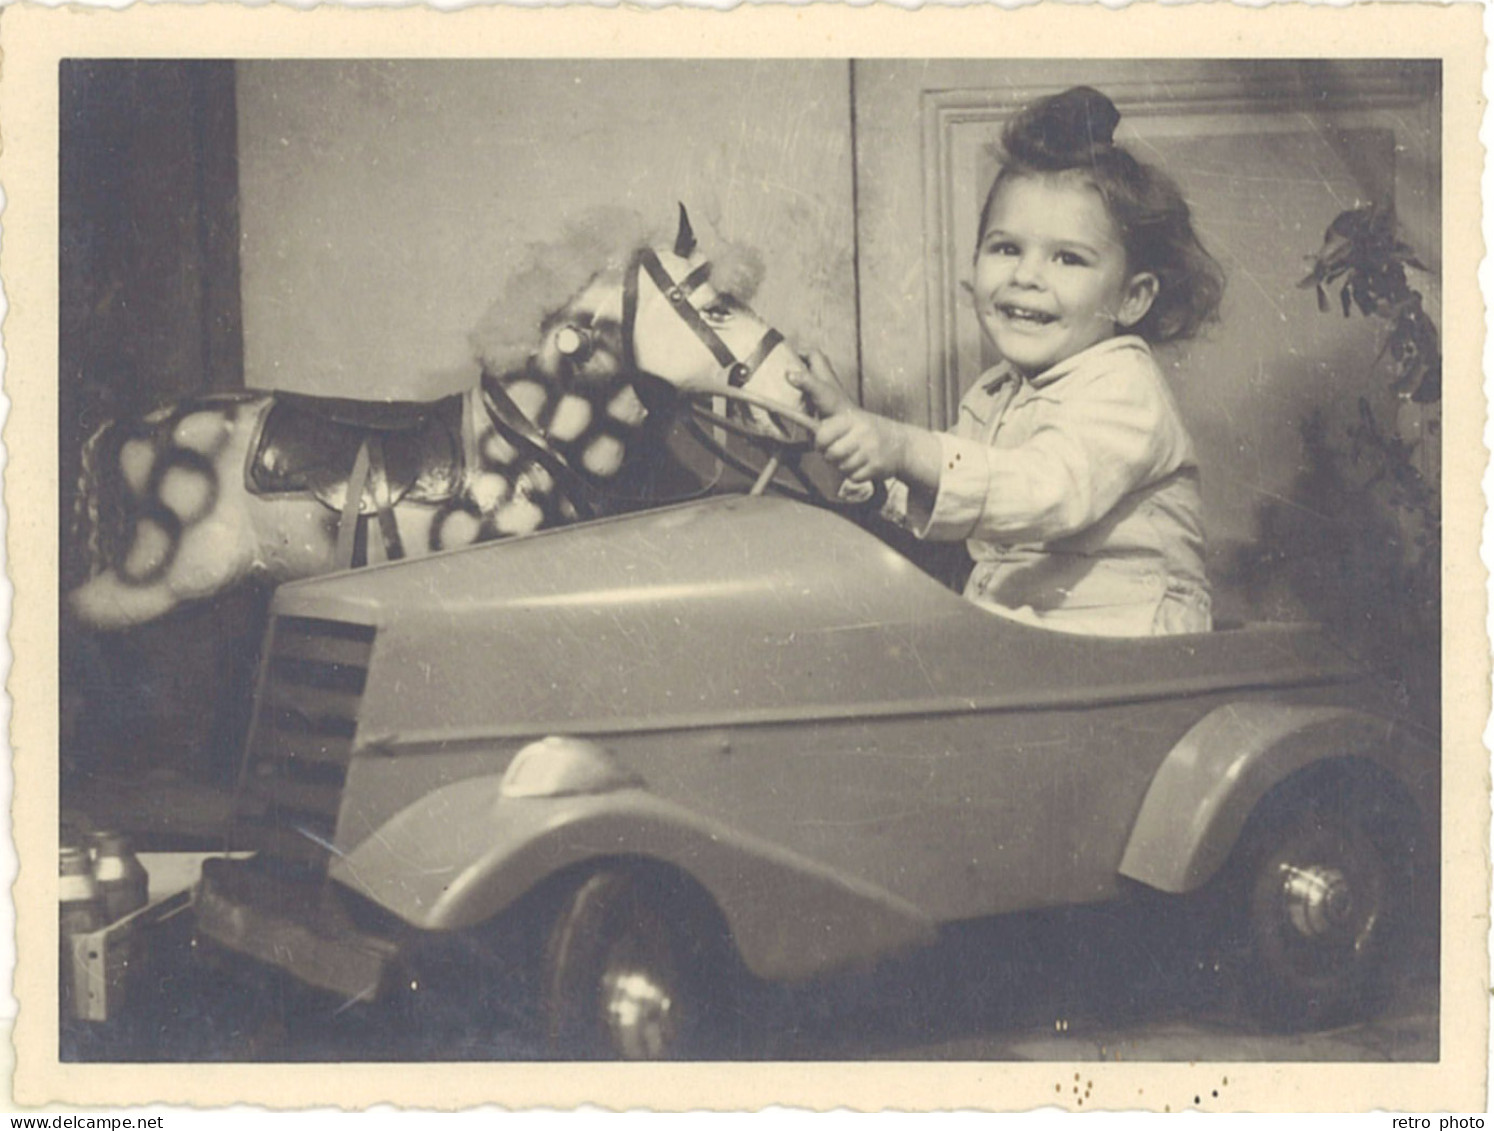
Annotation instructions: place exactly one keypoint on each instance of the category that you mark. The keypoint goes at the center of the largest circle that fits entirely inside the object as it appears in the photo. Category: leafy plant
(1364, 258)
(1357, 542)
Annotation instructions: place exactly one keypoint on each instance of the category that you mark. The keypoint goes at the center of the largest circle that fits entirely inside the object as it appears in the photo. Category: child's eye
(1002, 247)
(1072, 259)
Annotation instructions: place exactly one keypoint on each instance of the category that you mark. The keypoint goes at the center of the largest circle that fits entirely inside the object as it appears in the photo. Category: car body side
(841, 752)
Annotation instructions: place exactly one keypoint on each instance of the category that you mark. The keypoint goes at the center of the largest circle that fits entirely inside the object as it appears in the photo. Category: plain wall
(385, 202)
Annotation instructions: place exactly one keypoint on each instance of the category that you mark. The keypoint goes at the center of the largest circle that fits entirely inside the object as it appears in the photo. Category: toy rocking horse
(203, 495)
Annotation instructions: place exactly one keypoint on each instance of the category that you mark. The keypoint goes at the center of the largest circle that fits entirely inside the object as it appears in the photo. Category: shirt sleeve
(1093, 442)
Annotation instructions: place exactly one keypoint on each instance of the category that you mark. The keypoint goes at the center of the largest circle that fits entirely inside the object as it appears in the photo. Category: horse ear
(684, 240)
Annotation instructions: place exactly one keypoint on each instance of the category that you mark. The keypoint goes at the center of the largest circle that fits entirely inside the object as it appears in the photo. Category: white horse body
(192, 520)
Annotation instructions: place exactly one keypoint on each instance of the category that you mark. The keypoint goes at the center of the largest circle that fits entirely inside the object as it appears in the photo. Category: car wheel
(1322, 903)
(628, 970)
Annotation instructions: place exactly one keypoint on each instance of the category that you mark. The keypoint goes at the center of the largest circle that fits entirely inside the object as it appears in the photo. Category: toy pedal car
(744, 733)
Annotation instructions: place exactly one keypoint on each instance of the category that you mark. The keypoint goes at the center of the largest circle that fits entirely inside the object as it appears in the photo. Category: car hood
(724, 612)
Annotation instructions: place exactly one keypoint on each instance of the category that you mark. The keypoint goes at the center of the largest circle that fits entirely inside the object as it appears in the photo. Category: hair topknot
(1057, 132)
(1072, 135)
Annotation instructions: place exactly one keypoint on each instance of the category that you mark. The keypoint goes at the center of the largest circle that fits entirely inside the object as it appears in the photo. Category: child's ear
(1141, 292)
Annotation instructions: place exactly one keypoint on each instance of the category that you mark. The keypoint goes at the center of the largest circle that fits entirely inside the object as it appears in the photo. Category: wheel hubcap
(1319, 900)
(1324, 907)
(639, 1009)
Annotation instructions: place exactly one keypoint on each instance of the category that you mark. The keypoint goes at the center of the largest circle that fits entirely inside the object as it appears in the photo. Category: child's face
(1050, 273)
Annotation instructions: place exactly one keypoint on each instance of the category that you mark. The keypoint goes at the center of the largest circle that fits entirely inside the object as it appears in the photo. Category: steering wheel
(781, 452)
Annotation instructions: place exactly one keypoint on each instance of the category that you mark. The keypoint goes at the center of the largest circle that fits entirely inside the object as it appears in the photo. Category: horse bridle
(738, 370)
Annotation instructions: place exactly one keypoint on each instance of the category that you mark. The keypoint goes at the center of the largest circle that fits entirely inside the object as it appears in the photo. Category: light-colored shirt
(1078, 494)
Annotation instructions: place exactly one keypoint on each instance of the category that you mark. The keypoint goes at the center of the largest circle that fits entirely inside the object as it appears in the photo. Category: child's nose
(1028, 270)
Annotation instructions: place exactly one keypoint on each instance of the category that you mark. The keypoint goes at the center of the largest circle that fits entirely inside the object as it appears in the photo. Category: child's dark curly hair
(1073, 133)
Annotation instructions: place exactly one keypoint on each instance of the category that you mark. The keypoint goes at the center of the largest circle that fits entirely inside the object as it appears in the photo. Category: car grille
(302, 738)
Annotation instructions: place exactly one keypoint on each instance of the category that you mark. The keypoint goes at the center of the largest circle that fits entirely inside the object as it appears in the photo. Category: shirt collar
(1000, 374)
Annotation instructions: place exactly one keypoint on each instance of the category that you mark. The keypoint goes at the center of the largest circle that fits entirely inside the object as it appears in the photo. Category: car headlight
(557, 767)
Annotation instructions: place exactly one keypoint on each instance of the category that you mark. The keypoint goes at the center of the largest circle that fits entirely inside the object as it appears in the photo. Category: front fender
(1218, 772)
(465, 852)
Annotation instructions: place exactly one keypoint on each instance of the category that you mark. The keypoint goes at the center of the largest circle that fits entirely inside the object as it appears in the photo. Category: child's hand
(861, 445)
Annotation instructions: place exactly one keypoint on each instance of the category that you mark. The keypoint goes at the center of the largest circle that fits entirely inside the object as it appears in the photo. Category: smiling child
(1069, 472)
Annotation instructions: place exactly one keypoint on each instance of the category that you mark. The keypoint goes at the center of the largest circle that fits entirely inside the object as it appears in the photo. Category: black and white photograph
(858, 557)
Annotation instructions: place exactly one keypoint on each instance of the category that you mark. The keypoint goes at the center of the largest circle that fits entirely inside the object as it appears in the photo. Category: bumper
(301, 927)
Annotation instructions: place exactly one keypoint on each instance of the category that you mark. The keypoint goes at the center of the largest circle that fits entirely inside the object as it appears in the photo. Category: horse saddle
(311, 445)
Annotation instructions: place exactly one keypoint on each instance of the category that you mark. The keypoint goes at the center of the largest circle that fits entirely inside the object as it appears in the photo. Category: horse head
(689, 323)
(669, 316)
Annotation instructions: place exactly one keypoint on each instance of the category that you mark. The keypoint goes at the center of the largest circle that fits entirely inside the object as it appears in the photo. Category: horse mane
(737, 270)
(599, 244)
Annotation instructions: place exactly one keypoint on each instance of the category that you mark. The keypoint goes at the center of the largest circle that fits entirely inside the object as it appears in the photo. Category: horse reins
(509, 421)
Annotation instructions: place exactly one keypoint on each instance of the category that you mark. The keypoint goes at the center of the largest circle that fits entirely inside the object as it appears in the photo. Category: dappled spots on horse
(169, 482)
(222, 488)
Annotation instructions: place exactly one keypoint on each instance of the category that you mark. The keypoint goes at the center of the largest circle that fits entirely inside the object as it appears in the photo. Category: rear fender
(1215, 776)
(464, 853)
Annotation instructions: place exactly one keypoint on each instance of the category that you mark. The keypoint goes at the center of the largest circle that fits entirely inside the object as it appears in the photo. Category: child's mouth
(1026, 315)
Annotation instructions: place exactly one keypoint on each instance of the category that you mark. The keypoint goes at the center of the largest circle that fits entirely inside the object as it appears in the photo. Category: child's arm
(863, 446)
(1100, 433)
